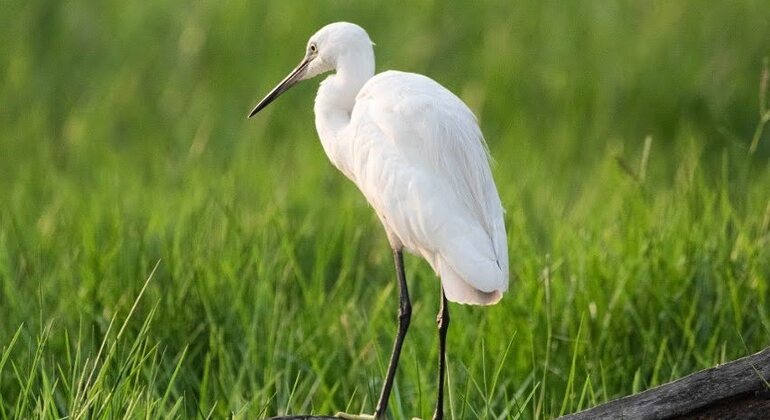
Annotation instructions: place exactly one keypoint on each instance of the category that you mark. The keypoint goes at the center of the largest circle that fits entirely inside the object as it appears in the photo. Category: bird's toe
(347, 416)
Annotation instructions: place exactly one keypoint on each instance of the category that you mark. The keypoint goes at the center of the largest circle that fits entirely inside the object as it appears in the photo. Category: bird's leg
(404, 316)
(443, 326)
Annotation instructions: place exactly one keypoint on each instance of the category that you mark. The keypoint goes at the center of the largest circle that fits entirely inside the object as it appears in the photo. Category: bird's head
(326, 49)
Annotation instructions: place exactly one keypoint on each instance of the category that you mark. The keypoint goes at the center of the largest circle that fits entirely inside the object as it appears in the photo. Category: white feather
(416, 152)
(452, 216)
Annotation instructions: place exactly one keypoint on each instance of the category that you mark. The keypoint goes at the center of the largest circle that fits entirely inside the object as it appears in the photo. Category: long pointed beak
(289, 81)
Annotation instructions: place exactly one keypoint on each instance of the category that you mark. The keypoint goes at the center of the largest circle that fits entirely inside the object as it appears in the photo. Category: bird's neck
(337, 96)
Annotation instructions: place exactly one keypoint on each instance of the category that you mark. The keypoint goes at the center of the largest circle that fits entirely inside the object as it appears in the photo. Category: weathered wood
(734, 390)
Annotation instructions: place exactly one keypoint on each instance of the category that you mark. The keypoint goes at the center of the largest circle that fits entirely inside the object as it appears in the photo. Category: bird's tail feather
(457, 290)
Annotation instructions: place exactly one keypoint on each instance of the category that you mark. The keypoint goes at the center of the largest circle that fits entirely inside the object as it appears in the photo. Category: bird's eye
(313, 49)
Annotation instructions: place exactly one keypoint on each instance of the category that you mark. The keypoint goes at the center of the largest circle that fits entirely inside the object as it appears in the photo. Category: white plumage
(415, 151)
(417, 154)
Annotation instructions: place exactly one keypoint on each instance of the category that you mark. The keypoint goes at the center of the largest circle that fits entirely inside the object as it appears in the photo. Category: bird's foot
(347, 416)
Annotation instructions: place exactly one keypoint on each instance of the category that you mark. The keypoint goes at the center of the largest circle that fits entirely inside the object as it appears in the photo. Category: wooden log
(736, 390)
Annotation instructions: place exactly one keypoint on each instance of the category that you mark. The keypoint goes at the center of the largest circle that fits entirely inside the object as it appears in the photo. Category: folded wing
(432, 186)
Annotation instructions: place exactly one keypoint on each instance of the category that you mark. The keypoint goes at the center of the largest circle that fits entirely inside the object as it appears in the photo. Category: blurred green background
(638, 216)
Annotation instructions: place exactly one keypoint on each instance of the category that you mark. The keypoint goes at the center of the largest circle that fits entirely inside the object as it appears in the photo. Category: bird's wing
(444, 164)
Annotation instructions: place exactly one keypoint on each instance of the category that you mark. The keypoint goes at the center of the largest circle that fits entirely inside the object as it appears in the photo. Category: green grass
(160, 256)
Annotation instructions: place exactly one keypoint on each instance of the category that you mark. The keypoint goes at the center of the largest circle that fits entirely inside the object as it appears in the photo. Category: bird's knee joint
(405, 315)
(405, 308)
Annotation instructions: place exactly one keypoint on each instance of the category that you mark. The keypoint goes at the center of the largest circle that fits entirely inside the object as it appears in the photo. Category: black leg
(443, 326)
(404, 315)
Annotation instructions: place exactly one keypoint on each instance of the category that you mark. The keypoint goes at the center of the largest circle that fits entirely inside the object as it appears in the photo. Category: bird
(417, 154)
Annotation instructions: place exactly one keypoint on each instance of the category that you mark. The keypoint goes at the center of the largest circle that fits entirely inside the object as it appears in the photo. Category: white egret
(417, 154)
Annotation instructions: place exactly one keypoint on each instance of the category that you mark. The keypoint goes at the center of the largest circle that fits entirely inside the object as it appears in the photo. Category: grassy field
(163, 257)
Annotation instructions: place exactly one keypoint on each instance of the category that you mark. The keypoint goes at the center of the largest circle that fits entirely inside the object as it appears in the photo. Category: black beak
(289, 81)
